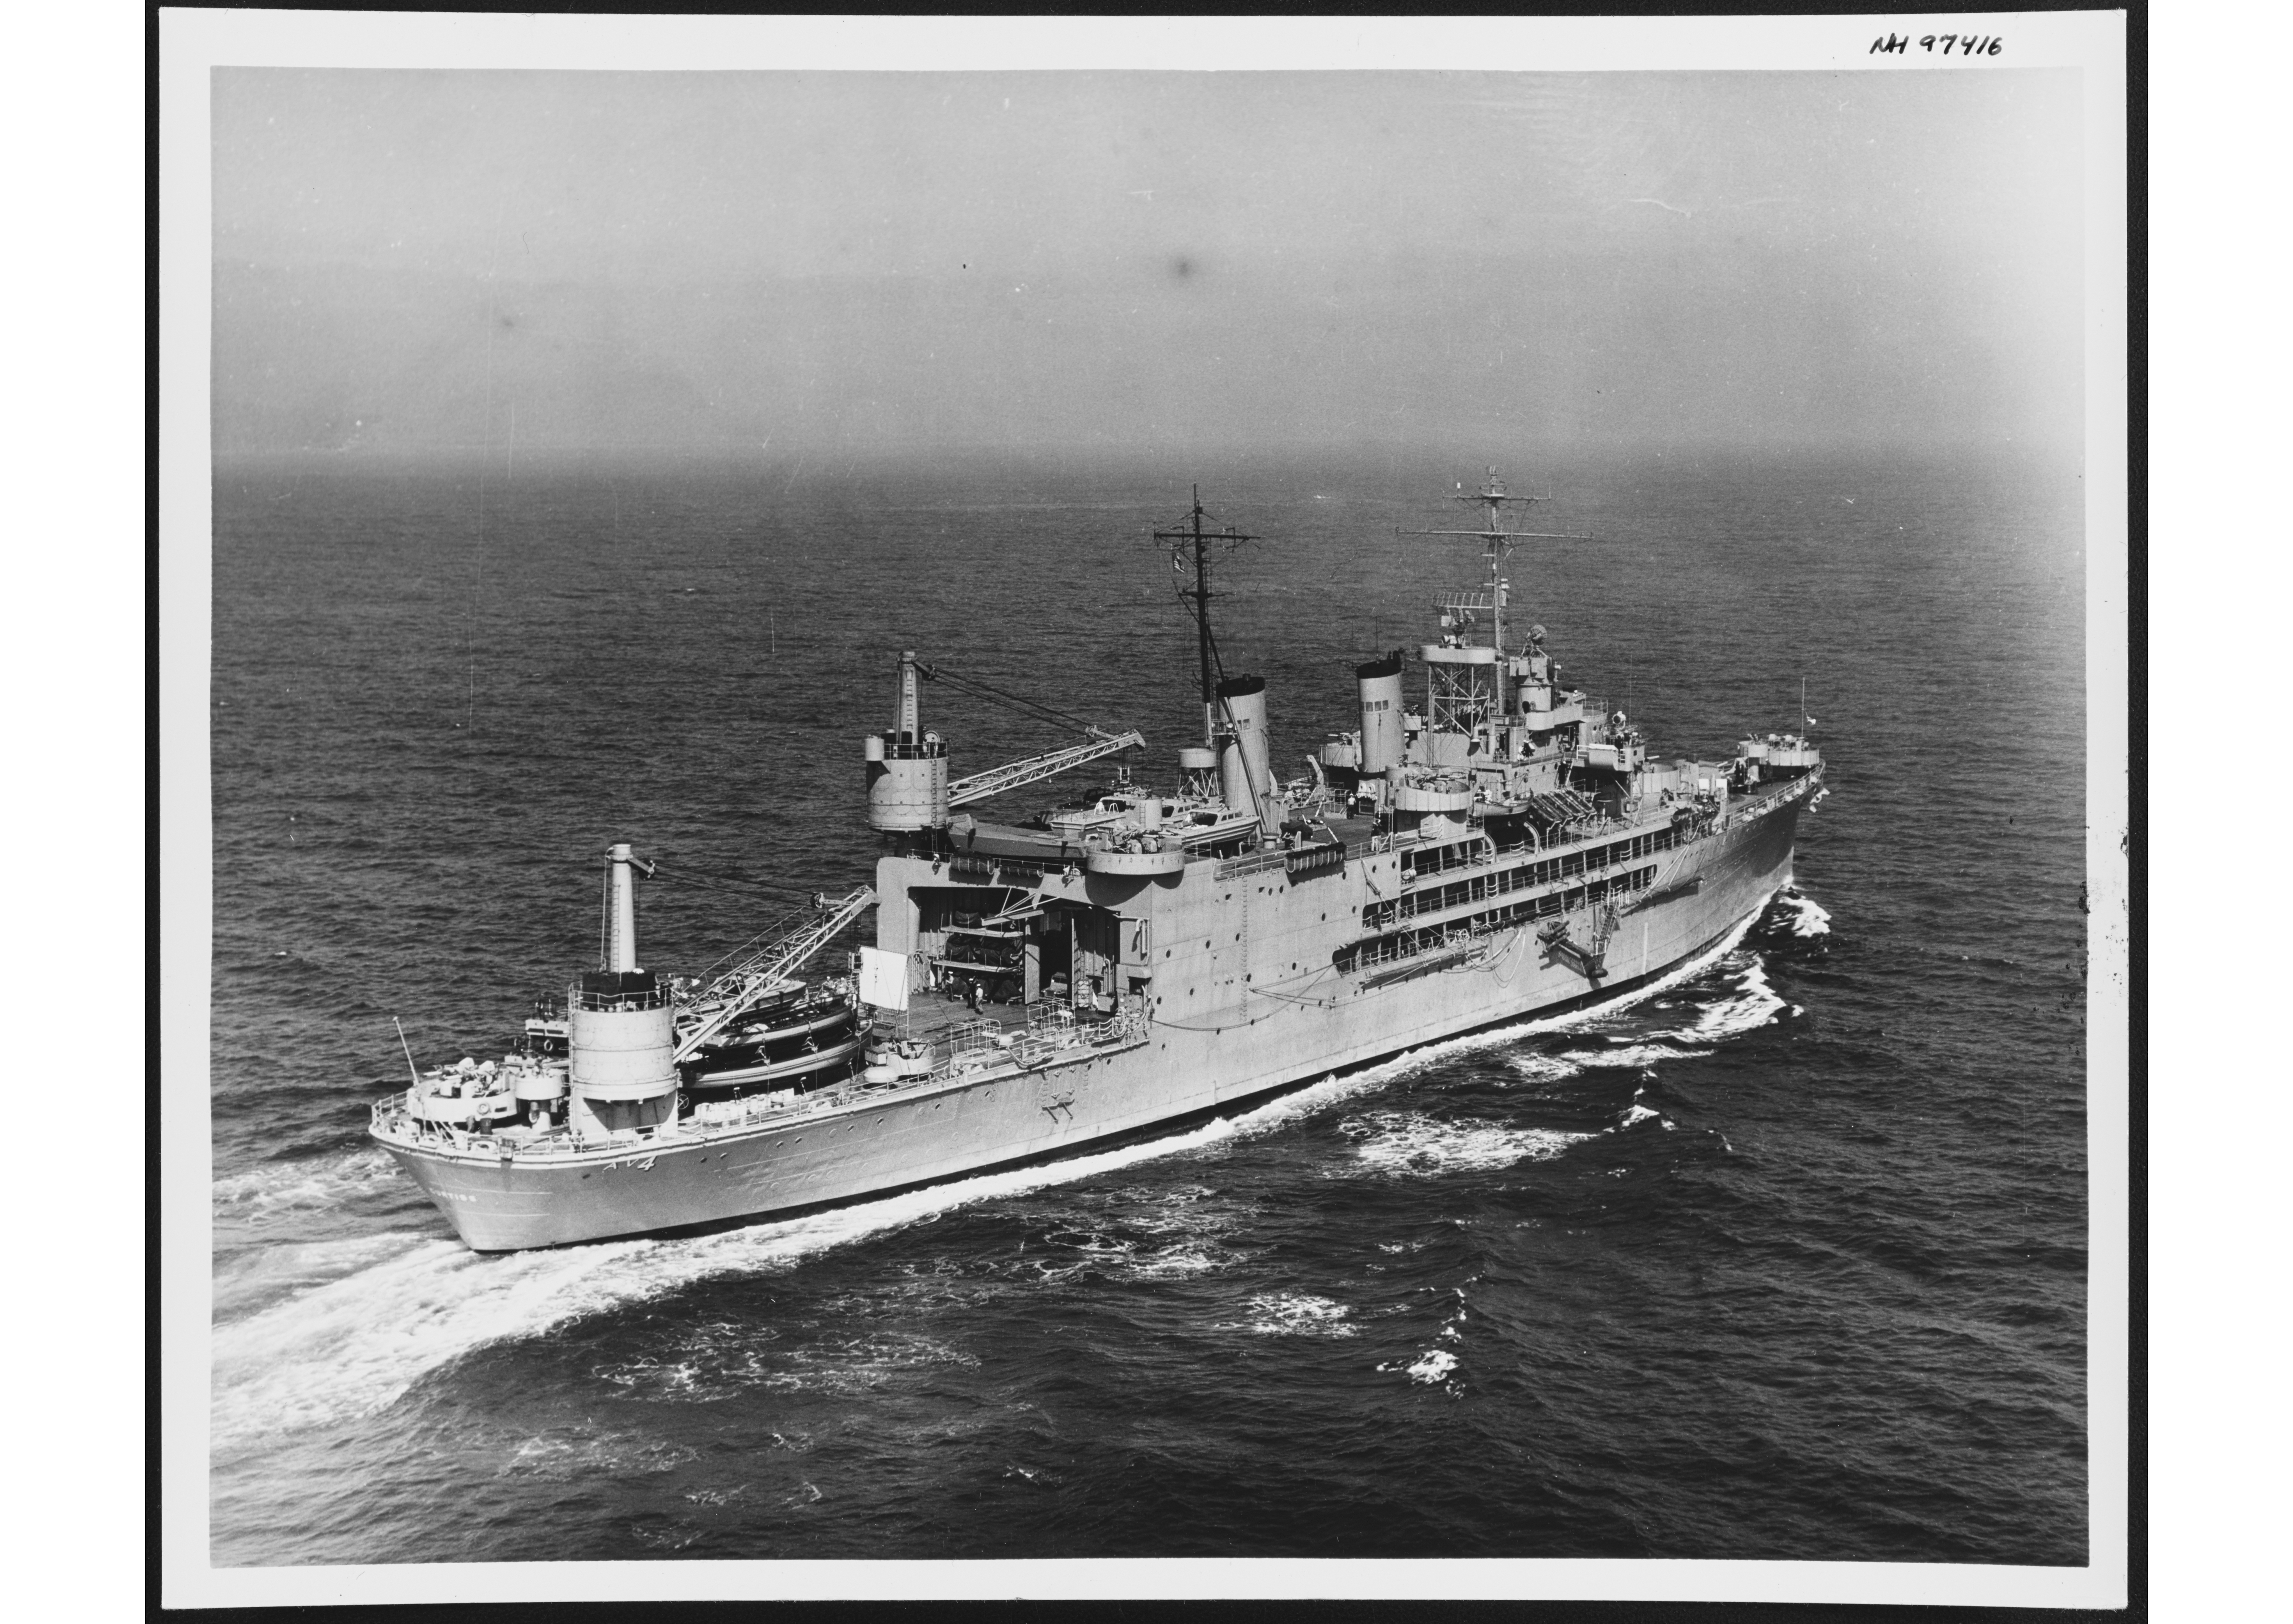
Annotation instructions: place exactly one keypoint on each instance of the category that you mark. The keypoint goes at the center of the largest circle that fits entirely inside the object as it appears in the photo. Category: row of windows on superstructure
(1457, 854)
(1408, 944)
(1526, 876)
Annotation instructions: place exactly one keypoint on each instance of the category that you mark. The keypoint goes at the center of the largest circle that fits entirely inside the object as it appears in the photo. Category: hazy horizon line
(1518, 462)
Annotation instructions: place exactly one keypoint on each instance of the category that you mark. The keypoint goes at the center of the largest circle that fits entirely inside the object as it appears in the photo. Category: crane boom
(739, 987)
(1012, 775)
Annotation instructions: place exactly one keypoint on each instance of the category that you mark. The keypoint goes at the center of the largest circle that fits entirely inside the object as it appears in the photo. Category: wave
(1754, 1005)
(1751, 1005)
(1429, 1368)
(1633, 1055)
(1410, 1144)
(560, 1457)
(1124, 1257)
(1436, 1365)
(723, 1361)
(1637, 1114)
(1177, 1209)
(263, 1194)
(1806, 916)
(1544, 1068)
(1295, 1314)
(259, 1277)
(1183, 1261)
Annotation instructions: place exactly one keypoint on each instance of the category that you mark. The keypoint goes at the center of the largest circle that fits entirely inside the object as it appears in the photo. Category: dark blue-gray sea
(1788, 1261)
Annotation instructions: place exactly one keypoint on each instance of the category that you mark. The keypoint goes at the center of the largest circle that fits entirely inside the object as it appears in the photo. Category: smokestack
(625, 912)
(1381, 733)
(907, 772)
(1246, 759)
(906, 723)
(622, 1029)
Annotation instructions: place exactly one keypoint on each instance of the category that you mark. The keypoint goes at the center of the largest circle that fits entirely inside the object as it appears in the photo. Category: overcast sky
(1156, 262)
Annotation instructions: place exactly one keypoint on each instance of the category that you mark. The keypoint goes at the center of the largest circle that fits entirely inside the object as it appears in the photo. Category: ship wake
(354, 1345)
(277, 1190)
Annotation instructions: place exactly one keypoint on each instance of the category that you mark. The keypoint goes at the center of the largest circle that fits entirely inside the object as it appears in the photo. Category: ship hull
(1262, 1040)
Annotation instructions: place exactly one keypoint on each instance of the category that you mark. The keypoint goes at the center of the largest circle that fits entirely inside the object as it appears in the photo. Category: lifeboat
(816, 1039)
(780, 1070)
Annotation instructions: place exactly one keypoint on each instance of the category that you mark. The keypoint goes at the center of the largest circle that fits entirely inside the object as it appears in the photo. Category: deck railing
(1254, 862)
(392, 1116)
(656, 996)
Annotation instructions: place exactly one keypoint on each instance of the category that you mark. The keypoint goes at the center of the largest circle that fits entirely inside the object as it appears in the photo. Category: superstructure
(1495, 845)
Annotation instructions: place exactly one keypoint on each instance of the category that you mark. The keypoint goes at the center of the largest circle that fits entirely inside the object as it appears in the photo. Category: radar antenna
(1462, 607)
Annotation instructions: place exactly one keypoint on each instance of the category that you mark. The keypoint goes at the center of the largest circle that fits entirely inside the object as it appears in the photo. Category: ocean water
(1783, 1260)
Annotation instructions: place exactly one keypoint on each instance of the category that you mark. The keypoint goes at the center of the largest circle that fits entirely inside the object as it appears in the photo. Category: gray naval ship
(1490, 845)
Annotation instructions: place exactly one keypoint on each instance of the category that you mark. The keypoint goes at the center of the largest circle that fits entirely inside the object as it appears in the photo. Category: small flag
(884, 978)
(1811, 722)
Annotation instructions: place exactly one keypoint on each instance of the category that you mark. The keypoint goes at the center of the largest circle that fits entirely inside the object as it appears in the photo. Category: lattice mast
(1460, 609)
(1496, 547)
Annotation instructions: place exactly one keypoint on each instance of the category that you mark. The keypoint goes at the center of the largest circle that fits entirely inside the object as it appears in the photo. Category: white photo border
(193, 43)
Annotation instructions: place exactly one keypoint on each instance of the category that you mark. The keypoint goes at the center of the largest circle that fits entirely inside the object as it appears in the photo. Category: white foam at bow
(1809, 916)
(1539, 1065)
(1753, 1006)
(1749, 1007)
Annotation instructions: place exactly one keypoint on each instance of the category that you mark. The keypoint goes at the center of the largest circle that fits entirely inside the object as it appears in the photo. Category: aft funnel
(621, 1025)
(907, 770)
(1383, 734)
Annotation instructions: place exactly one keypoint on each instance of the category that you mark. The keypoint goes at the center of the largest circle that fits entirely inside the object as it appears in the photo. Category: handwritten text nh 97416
(1942, 44)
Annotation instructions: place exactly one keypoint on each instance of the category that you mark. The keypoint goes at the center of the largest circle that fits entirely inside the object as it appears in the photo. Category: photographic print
(1051, 809)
